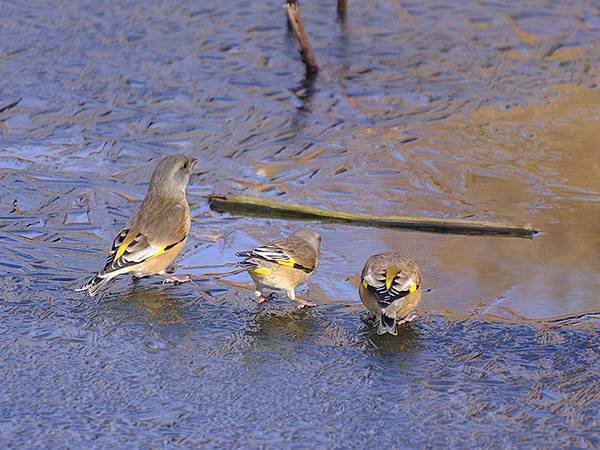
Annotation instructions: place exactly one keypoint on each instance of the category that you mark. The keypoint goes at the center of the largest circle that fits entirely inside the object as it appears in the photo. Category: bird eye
(185, 165)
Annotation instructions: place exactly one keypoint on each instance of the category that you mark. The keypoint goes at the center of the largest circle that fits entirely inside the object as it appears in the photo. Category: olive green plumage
(390, 288)
(156, 232)
(284, 264)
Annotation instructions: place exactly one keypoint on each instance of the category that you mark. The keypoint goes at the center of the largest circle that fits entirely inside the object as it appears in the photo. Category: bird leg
(292, 295)
(135, 279)
(172, 278)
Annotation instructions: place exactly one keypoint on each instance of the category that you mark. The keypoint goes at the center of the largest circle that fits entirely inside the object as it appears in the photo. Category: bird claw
(411, 316)
(263, 299)
(304, 303)
(369, 319)
(172, 278)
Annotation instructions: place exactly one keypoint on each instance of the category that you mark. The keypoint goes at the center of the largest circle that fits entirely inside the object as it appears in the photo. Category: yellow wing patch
(130, 237)
(260, 271)
(413, 288)
(390, 274)
(159, 252)
(289, 263)
(365, 284)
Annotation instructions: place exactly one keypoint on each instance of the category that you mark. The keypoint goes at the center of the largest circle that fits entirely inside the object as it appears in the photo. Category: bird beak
(193, 162)
(193, 172)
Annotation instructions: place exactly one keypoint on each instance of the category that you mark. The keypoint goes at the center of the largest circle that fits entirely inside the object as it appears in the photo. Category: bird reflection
(271, 325)
(405, 342)
(160, 304)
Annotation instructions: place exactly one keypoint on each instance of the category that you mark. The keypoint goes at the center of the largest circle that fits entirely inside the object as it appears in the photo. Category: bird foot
(262, 298)
(172, 278)
(411, 316)
(369, 319)
(304, 303)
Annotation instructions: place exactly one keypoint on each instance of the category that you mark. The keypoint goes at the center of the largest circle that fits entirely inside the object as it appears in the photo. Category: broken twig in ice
(293, 11)
(341, 10)
(256, 206)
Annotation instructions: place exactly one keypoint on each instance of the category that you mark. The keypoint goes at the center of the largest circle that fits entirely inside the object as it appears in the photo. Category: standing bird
(156, 232)
(390, 288)
(284, 264)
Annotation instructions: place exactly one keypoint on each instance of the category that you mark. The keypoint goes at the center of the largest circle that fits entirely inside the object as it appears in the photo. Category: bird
(390, 289)
(283, 265)
(156, 232)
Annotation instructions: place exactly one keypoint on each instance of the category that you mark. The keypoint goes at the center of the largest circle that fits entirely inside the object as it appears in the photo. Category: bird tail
(387, 324)
(249, 263)
(94, 284)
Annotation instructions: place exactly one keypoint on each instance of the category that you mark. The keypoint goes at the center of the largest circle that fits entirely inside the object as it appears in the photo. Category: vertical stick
(293, 10)
(341, 10)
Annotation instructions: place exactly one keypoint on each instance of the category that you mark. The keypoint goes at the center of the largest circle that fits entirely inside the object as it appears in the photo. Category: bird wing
(299, 251)
(392, 283)
(284, 252)
(131, 247)
(145, 239)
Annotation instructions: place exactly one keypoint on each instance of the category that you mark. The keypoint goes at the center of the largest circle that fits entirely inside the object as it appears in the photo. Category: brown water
(471, 110)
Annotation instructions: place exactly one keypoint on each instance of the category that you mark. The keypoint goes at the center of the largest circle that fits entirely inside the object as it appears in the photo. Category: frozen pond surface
(470, 110)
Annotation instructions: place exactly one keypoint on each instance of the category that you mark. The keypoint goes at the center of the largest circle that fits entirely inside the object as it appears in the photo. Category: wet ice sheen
(472, 110)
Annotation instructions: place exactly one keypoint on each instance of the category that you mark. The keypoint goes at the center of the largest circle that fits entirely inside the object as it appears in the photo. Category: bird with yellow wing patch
(156, 232)
(390, 289)
(284, 264)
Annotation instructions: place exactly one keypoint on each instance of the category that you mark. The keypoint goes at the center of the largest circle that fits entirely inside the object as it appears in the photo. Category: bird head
(312, 237)
(172, 175)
